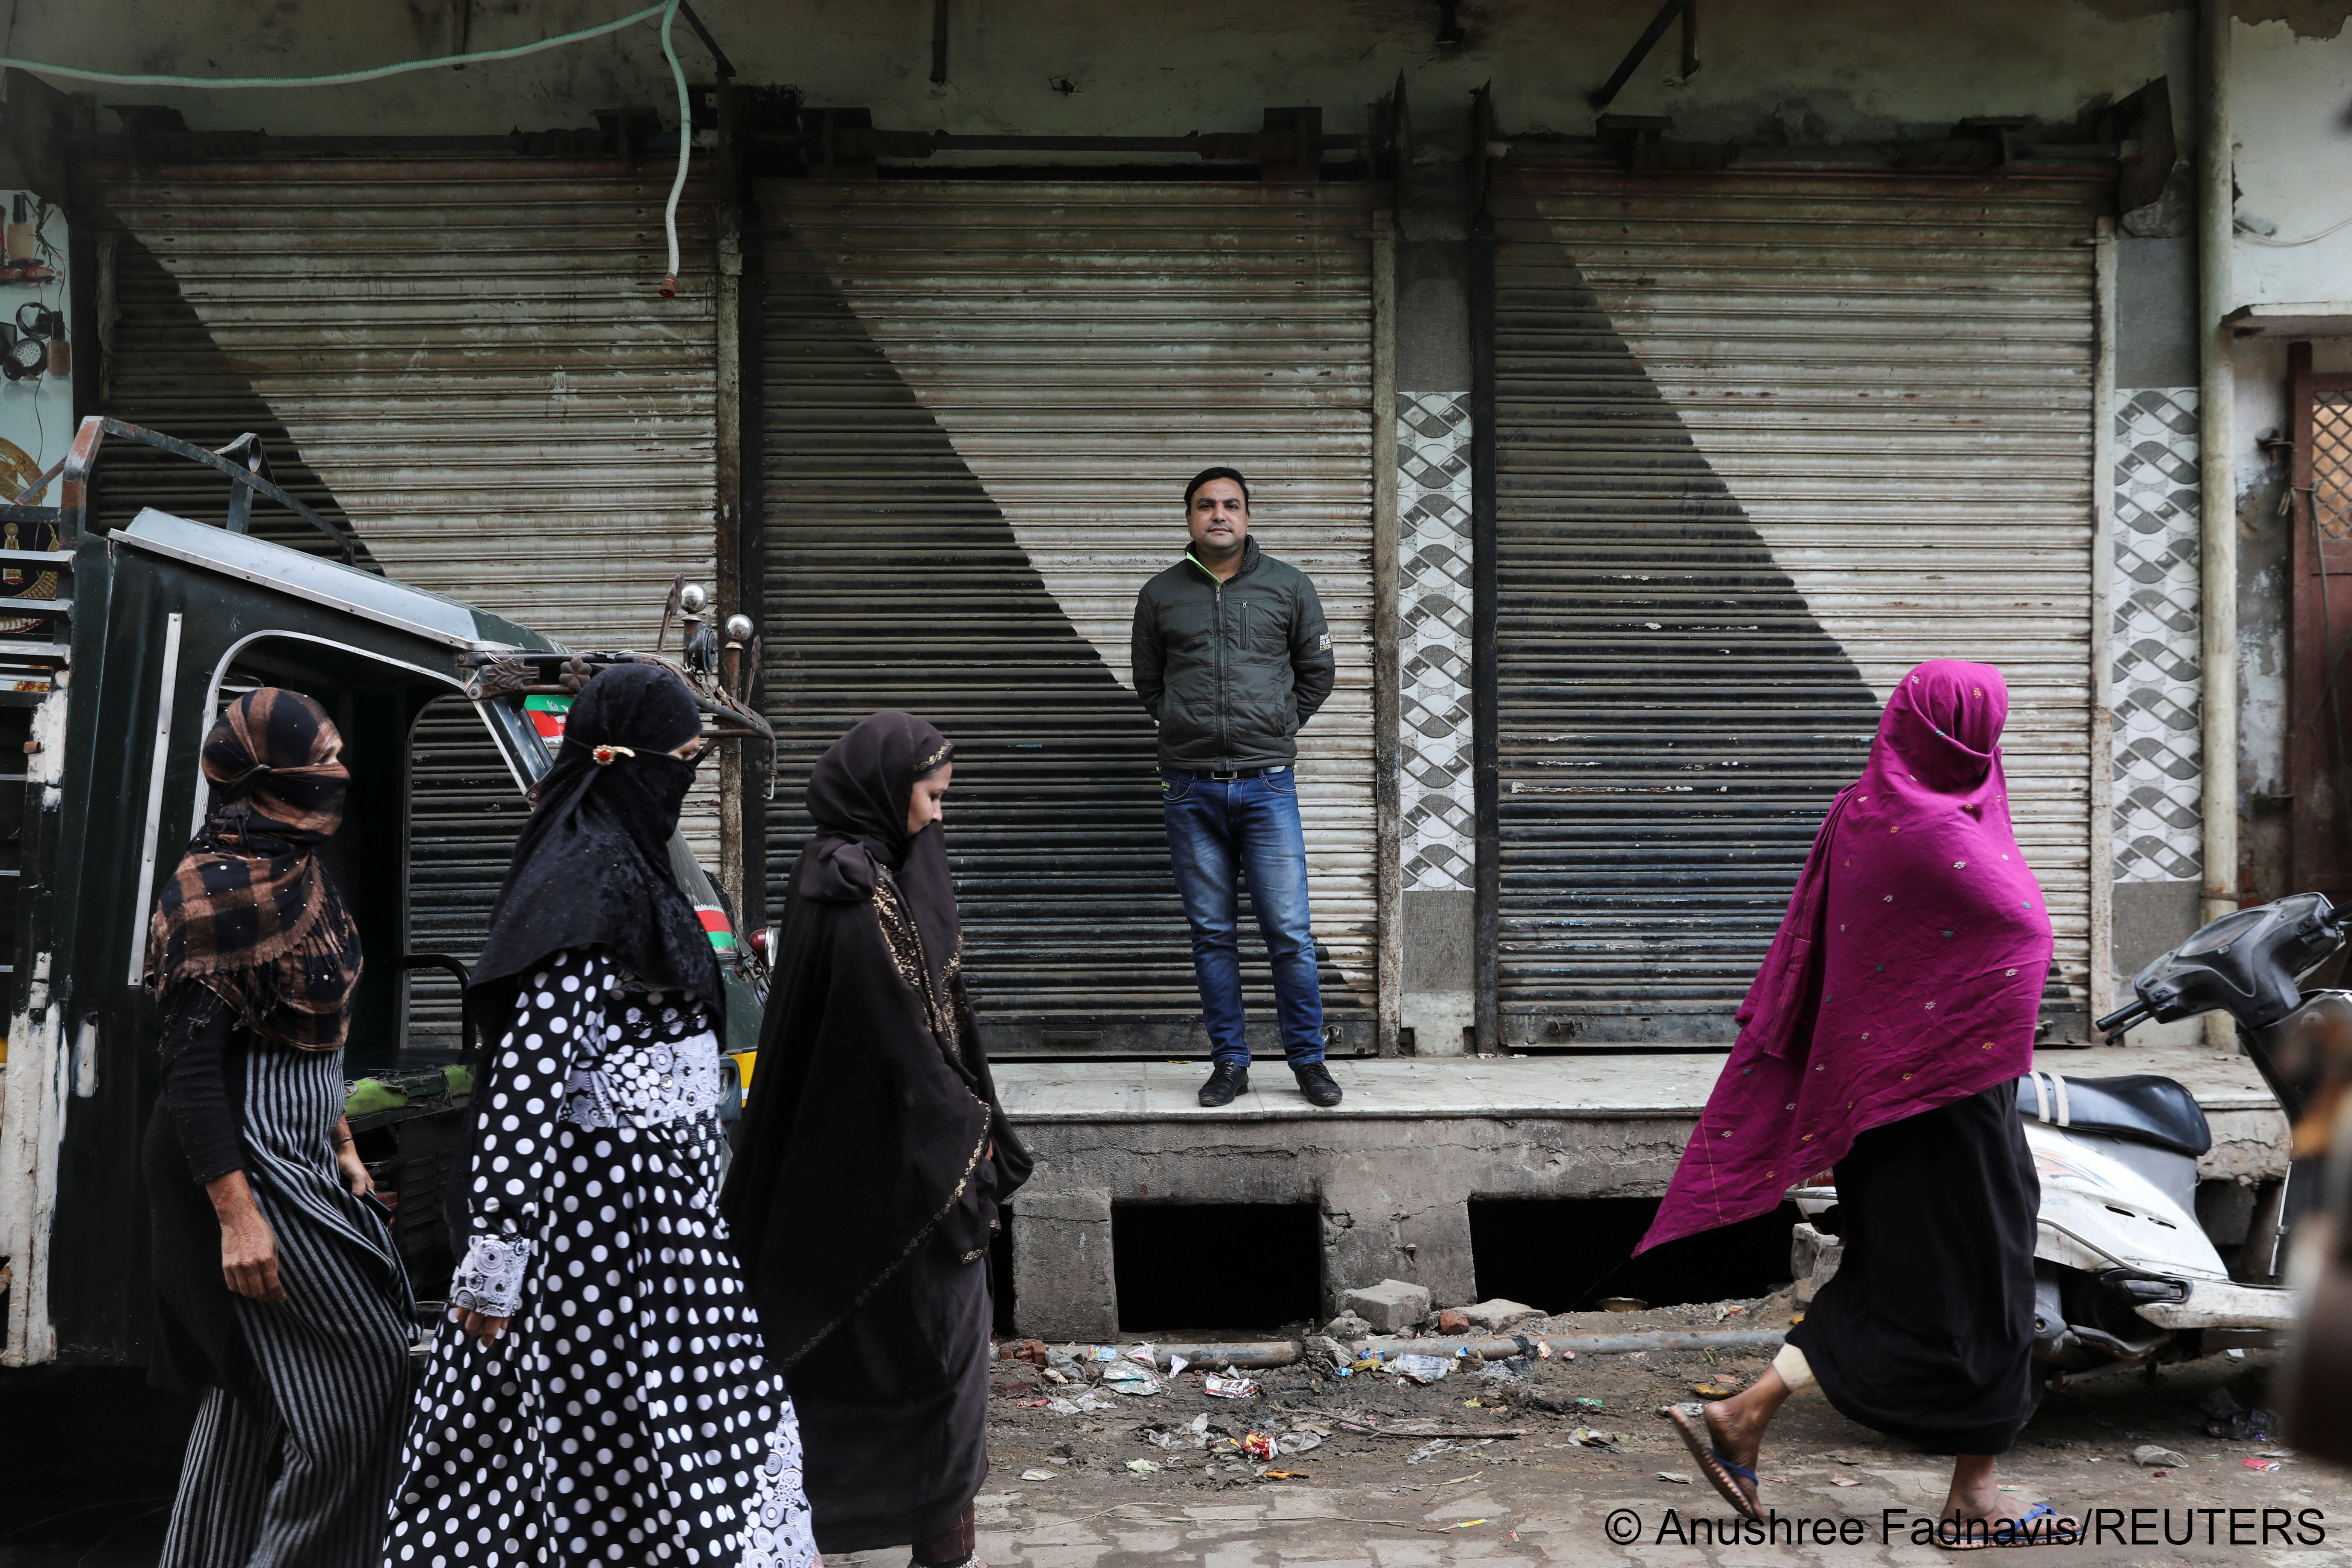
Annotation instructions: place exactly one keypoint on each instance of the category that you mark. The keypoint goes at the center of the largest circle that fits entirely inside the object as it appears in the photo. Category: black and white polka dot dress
(627, 1415)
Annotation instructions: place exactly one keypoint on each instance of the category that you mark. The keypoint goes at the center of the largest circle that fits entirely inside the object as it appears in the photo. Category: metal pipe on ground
(1581, 1345)
(1263, 1354)
(1252, 1354)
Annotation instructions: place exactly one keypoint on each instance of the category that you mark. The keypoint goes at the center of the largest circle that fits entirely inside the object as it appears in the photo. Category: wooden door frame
(2317, 615)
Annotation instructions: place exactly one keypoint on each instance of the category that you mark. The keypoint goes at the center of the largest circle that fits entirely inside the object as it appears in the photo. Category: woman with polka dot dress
(601, 1395)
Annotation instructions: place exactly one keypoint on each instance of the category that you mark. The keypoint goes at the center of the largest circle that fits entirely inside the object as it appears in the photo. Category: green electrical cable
(665, 9)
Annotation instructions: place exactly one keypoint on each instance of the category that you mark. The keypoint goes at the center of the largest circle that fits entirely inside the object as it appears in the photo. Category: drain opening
(1249, 1267)
(1565, 1255)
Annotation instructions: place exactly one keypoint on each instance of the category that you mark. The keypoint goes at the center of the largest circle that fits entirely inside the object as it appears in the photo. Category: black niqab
(592, 867)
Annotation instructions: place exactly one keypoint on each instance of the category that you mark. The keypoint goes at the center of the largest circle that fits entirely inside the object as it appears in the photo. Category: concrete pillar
(1376, 1229)
(1432, 359)
(1063, 1287)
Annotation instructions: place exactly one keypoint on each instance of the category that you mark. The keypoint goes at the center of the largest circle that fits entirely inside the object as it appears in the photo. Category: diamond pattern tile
(2159, 766)
(1433, 640)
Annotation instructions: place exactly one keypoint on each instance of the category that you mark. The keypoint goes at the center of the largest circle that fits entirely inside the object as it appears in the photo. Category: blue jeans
(1220, 830)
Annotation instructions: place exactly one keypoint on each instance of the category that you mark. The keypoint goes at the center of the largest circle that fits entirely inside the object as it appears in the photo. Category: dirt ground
(1540, 1496)
(1510, 1483)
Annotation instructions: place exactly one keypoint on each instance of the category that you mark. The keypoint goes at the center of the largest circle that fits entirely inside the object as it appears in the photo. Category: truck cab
(108, 684)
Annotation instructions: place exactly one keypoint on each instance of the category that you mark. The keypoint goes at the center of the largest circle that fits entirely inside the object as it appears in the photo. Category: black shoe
(1225, 1082)
(1316, 1083)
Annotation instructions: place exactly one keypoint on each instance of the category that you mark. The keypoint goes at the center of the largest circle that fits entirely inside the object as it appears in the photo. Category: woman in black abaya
(601, 1396)
(873, 1156)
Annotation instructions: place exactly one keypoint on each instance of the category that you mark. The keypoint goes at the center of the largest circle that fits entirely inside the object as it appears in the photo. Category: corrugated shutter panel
(465, 812)
(983, 401)
(465, 360)
(1766, 440)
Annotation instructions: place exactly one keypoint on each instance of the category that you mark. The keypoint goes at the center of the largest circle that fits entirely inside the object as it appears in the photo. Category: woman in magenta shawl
(1883, 1038)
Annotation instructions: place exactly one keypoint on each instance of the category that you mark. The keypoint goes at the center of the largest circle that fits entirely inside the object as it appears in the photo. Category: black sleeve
(1147, 654)
(196, 1026)
(1314, 667)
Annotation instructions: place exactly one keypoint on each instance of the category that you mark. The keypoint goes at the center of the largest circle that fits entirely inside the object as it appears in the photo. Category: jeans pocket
(1285, 782)
(1175, 787)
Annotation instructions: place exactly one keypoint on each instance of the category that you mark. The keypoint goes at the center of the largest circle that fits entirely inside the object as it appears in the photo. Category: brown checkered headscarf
(248, 914)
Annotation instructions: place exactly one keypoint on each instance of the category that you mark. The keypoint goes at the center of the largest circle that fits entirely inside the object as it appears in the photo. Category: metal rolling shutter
(465, 812)
(466, 359)
(1766, 439)
(982, 399)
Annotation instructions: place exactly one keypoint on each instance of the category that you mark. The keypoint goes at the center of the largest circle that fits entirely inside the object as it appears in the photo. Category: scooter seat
(2142, 1107)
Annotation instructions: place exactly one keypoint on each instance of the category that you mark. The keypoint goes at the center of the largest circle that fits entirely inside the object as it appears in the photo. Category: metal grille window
(2331, 463)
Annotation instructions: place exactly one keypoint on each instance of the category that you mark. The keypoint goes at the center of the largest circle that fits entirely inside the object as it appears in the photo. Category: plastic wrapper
(1127, 1377)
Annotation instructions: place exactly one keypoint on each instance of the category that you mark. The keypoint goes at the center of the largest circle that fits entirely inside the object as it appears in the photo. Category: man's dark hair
(1205, 475)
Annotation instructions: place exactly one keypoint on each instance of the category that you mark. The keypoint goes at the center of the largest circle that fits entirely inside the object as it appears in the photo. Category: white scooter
(2124, 1274)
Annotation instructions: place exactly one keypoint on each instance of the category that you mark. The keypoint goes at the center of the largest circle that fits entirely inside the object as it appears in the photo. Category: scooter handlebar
(2122, 1018)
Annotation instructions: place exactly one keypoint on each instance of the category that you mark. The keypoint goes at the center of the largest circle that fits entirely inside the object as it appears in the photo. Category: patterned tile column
(1433, 642)
(2158, 763)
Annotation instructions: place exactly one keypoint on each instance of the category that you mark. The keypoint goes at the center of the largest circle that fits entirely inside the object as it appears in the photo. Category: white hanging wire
(665, 9)
(2253, 235)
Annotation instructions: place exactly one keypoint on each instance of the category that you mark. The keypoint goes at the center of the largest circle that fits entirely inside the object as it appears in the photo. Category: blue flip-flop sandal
(2023, 1530)
(1721, 1473)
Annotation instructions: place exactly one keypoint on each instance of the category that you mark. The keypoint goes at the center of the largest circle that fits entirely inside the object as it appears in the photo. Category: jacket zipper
(1224, 694)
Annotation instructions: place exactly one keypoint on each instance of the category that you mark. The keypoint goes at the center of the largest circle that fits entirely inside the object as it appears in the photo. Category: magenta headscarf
(1908, 969)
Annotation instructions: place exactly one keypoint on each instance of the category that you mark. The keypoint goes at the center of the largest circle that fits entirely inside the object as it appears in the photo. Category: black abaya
(1926, 1332)
(871, 1160)
(894, 1406)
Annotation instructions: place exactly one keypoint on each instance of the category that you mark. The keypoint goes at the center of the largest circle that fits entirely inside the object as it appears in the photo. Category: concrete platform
(1392, 1169)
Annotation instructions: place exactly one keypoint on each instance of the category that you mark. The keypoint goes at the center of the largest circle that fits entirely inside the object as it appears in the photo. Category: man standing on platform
(1232, 656)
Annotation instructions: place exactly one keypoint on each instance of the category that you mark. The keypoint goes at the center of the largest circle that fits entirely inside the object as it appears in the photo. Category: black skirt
(1926, 1332)
(894, 1407)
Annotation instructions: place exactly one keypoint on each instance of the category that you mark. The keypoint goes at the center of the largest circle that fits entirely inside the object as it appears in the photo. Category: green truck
(118, 648)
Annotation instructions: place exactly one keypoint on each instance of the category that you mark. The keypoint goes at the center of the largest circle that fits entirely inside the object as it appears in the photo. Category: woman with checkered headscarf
(280, 1299)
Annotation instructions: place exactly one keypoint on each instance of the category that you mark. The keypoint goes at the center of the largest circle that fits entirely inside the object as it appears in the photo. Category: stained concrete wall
(1392, 1196)
(2291, 84)
(1774, 72)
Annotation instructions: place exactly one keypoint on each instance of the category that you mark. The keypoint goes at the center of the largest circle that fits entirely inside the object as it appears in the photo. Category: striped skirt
(299, 1479)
